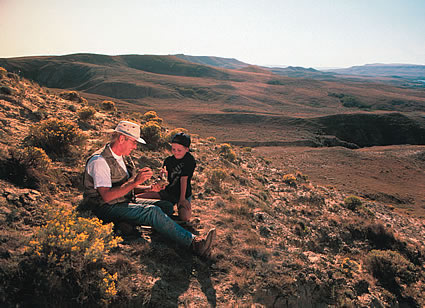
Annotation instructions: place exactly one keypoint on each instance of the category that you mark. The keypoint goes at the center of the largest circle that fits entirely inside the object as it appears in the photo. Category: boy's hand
(163, 173)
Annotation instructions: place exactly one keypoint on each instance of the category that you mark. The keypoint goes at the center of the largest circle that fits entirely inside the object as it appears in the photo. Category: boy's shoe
(202, 246)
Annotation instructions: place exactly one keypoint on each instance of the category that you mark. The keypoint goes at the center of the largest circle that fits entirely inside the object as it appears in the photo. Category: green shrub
(108, 106)
(215, 178)
(86, 113)
(68, 253)
(28, 167)
(151, 133)
(391, 269)
(352, 203)
(73, 96)
(57, 137)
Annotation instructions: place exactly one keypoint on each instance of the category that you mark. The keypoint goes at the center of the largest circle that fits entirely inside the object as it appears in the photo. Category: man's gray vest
(91, 197)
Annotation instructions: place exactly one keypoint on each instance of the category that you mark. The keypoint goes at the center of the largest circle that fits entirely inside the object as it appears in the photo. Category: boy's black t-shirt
(177, 168)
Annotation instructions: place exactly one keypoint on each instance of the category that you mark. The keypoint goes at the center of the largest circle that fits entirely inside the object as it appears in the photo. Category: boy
(179, 169)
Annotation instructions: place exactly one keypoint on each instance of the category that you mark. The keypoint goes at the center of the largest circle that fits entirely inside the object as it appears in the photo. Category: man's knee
(166, 207)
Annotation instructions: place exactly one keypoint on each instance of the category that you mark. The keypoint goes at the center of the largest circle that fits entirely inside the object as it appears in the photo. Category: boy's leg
(185, 210)
(148, 213)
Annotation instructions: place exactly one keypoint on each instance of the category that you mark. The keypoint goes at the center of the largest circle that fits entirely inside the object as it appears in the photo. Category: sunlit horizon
(326, 34)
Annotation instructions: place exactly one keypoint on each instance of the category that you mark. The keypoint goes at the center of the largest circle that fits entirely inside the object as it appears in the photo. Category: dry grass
(276, 243)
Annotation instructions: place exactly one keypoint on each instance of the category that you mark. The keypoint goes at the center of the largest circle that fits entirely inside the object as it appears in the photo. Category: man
(110, 185)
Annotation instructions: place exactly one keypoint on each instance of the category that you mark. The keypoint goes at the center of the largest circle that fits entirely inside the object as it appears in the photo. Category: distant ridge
(407, 71)
(85, 71)
(301, 72)
(228, 63)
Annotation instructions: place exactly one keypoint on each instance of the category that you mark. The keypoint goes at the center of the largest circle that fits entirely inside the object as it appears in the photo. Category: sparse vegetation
(108, 106)
(28, 167)
(392, 270)
(352, 203)
(151, 132)
(349, 101)
(57, 137)
(283, 240)
(215, 178)
(211, 139)
(151, 116)
(225, 150)
(73, 96)
(86, 114)
(290, 180)
(3, 72)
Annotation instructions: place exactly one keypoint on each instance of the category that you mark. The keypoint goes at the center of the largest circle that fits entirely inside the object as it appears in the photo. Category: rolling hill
(282, 240)
(245, 105)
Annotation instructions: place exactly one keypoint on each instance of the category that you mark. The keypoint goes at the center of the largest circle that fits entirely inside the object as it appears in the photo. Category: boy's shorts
(166, 196)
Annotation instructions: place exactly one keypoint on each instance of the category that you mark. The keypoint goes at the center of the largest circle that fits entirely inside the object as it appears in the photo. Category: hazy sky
(316, 33)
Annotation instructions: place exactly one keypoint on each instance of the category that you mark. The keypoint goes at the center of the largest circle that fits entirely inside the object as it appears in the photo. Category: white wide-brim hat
(130, 129)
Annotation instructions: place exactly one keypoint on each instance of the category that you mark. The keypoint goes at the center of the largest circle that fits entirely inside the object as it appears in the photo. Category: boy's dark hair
(181, 138)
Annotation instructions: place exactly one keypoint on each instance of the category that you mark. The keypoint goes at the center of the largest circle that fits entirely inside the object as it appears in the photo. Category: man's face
(128, 145)
(178, 150)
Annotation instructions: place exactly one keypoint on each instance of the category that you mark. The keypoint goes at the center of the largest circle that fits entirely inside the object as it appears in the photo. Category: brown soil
(390, 174)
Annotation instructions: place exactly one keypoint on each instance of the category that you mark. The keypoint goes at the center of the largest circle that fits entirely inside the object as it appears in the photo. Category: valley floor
(390, 174)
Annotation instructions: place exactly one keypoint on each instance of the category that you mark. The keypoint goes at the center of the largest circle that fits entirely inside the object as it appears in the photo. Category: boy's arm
(183, 187)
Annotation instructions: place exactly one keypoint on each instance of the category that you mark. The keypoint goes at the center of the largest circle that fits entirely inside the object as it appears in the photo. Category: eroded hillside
(283, 241)
(265, 106)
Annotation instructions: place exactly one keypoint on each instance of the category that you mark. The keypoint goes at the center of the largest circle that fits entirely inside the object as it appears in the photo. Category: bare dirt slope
(394, 175)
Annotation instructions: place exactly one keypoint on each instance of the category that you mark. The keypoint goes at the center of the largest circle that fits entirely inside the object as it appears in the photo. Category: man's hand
(158, 186)
(143, 175)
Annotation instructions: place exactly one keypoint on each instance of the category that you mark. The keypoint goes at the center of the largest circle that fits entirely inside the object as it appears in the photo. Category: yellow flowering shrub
(290, 179)
(56, 137)
(3, 72)
(227, 152)
(68, 237)
(151, 133)
(68, 243)
(151, 116)
(349, 266)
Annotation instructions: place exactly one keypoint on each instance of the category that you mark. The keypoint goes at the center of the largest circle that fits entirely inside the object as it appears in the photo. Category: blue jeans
(147, 212)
